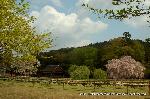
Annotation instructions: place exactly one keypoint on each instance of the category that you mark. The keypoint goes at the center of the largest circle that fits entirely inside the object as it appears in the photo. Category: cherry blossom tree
(125, 68)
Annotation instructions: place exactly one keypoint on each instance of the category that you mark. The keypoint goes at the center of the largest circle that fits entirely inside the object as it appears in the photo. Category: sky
(72, 25)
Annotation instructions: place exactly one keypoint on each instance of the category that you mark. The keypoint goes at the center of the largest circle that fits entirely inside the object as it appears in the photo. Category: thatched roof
(52, 69)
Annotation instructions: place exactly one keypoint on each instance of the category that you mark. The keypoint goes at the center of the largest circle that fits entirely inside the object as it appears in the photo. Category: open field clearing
(26, 90)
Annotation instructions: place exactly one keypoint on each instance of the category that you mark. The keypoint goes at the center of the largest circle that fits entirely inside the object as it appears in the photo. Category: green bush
(72, 68)
(81, 72)
(99, 74)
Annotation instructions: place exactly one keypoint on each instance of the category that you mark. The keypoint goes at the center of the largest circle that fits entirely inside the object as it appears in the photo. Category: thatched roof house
(54, 71)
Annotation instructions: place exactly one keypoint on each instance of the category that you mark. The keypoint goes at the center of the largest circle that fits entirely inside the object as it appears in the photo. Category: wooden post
(63, 82)
(33, 82)
(149, 87)
(94, 86)
(49, 83)
(63, 85)
(4, 72)
(127, 88)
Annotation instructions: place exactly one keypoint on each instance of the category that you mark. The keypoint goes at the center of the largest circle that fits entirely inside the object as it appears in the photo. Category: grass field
(26, 90)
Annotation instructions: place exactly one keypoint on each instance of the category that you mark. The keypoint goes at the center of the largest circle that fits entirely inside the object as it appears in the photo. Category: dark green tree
(147, 51)
(127, 37)
(147, 57)
(83, 56)
(123, 46)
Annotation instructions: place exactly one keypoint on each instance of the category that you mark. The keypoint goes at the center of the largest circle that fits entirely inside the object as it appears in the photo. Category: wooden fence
(92, 83)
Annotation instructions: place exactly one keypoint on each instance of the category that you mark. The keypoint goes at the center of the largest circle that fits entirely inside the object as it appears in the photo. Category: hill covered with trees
(96, 56)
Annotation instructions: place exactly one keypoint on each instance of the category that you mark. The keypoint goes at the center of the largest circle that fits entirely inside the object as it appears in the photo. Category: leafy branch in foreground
(131, 8)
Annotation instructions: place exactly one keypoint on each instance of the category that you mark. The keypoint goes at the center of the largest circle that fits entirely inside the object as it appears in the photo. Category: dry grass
(21, 90)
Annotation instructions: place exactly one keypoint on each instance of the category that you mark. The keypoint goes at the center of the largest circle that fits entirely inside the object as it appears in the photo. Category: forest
(97, 55)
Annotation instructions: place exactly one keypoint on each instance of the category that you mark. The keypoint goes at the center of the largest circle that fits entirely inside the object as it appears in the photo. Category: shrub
(99, 74)
(72, 68)
(81, 72)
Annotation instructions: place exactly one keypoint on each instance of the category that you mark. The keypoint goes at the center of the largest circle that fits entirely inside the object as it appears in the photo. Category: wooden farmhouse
(54, 71)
